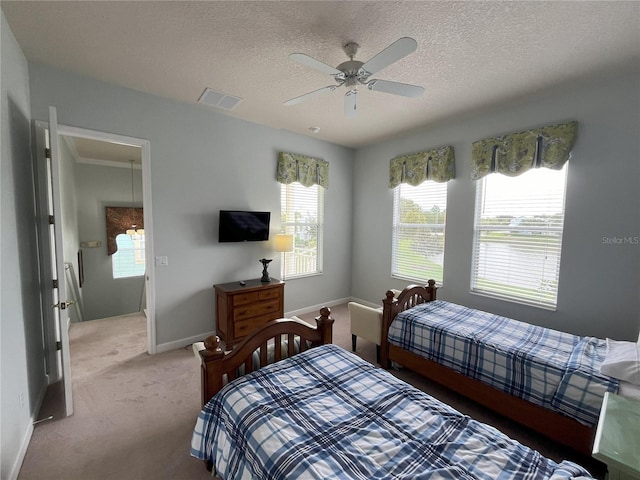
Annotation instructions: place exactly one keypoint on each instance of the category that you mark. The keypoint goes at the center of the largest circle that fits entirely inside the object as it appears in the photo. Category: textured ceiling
(470, 55)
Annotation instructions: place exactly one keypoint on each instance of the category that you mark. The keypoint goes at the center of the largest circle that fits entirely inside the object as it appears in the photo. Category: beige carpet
(134, 413)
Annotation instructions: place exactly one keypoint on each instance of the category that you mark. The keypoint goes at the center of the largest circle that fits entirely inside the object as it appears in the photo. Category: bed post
(325, 325)
(387, 316)
(432, 289)
(211, 376)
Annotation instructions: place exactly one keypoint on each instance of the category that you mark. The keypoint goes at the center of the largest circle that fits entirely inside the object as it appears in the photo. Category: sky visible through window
(128, 261)
(539, 192)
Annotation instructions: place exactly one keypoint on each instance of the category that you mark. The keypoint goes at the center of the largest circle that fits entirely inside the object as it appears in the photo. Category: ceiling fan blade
(306, 60)
(395, 88)
(350, 103)
(394, 52)
(301, 98)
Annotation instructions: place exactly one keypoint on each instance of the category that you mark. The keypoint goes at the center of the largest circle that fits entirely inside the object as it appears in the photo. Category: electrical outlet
(21, 400)
(162, 261)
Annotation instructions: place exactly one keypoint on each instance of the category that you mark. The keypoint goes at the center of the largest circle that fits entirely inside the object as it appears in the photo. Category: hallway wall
(98, 187)
(22, 367)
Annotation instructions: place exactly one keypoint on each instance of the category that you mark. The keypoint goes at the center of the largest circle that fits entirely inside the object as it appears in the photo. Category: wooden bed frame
(558, 427)
(216, 363)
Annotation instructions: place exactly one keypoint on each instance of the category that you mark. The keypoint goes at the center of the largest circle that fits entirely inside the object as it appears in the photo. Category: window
(518, 236)
(302, 214)
(418, 231)
(128, 261)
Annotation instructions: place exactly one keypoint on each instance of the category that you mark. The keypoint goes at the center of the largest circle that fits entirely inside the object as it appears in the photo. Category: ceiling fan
(354, 73)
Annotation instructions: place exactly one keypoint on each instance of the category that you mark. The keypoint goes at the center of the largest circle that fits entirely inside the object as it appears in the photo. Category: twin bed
(325, 413)
(544, 379)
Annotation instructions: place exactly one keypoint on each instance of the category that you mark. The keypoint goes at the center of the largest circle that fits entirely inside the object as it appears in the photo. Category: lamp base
(265, 275)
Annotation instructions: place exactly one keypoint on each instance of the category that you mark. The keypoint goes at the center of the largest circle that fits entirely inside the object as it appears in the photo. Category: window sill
(495, 296)
(418, 281)
(304, 275)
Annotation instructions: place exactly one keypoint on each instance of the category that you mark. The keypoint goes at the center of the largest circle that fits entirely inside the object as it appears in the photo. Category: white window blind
(418, 231)
(518, 236)
(302, 211)
(128, 261)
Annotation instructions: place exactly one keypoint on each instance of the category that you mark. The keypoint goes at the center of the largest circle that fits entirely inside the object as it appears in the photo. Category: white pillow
(622, 361)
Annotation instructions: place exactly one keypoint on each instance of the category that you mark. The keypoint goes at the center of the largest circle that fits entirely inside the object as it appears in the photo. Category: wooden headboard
(411, 296)
(218, 365)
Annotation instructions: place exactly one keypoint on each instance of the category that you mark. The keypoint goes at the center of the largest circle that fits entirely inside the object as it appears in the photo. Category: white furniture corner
(366, 323)
(617, 441)
(197, 346)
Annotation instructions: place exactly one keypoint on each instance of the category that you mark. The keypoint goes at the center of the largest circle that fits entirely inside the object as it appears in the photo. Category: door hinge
(55, 283)
(47, 152)
(52, 220)
(58, 345)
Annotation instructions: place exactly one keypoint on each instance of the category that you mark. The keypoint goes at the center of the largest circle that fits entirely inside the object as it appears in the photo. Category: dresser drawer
(244, 298)
(256, 310)
(252, 297)
(244, 327)
(269, 294)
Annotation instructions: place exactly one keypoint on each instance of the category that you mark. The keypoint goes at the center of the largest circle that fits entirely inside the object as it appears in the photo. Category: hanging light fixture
(134, 231)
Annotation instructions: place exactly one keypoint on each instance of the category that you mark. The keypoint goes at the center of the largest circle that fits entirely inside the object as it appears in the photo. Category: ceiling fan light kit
(354, 73)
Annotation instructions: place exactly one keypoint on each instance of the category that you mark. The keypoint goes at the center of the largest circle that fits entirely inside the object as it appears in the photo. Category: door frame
(145, 147)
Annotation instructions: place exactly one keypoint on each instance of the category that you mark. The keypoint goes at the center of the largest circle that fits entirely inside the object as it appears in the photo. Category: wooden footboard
(558, 427)
(218, 365)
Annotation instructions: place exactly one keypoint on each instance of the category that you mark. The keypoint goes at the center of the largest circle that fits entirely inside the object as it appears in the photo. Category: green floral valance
(515, 153)
(300, 168)
(437, 165)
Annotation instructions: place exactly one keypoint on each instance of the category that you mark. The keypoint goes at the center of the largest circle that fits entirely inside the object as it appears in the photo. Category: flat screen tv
(243, 226)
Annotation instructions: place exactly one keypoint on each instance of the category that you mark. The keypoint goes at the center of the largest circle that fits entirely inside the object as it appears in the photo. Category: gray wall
(98, 187)
(21, 348)
(203, 161)
(599, 283)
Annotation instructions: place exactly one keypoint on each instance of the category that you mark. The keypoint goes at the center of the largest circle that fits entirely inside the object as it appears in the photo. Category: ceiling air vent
(219, 99)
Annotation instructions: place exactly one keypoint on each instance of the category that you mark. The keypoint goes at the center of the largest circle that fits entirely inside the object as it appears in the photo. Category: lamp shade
(284, 243)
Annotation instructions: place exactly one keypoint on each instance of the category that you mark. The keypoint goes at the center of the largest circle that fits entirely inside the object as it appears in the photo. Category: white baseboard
(22, 452)
(26, 439)
(316, 308)
(364, 302)
(165, 347)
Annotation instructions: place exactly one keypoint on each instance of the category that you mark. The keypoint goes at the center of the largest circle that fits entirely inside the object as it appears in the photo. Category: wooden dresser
(240, 309)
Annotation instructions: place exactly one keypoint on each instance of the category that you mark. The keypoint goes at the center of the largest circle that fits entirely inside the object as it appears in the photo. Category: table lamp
(284, 244)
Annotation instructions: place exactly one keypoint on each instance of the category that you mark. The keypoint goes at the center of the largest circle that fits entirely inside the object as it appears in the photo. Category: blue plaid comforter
(549, 368)
(327, 414)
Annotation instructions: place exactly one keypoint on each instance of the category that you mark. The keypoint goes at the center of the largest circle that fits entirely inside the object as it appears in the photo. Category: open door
(60, 302)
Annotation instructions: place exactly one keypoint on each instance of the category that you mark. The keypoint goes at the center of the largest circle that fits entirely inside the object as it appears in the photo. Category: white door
(60, 302)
